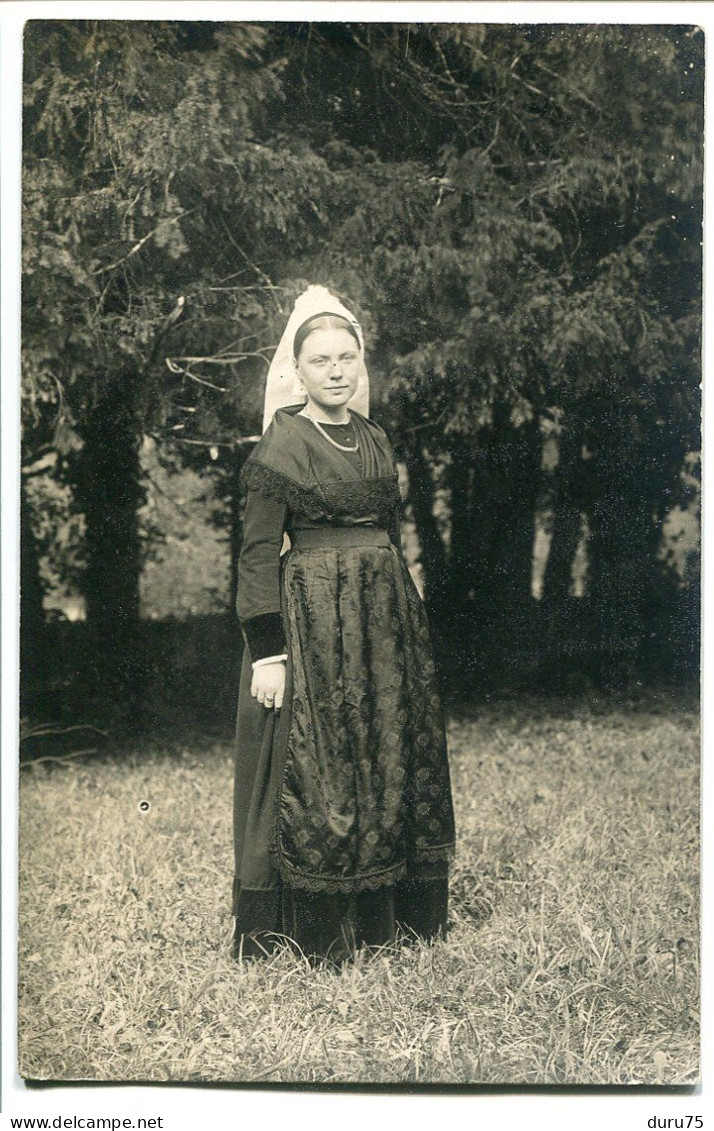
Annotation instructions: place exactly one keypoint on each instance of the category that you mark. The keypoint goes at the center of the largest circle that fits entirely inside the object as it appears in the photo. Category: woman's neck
(340, 415)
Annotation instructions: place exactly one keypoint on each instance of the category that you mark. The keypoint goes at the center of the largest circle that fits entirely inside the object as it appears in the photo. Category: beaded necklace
(321, 430)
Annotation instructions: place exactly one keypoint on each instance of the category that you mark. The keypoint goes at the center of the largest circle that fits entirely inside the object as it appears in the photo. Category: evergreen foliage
(514, 212)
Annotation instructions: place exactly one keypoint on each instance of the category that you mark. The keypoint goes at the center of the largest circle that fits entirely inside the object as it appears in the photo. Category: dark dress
(343, 814)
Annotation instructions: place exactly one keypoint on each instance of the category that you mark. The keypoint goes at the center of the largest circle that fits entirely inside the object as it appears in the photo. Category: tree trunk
(109, 492)
(32, 615)
(433, 553)
(517, 453)
(506, 485)
(567, 508)
(459, 619)
(461, 542)
(563, 637)
(479, 595)
(620, 517)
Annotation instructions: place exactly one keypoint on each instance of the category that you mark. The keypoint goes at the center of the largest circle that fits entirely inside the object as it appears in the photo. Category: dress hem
(370, 881)
(342, 885)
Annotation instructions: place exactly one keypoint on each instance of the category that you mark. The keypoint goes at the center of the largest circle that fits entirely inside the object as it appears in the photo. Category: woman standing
(342, 812)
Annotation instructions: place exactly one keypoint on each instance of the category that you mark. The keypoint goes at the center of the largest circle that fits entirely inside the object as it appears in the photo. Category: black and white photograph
(359, 572)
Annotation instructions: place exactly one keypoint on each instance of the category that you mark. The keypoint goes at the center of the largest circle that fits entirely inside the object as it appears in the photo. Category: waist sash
(337, 537)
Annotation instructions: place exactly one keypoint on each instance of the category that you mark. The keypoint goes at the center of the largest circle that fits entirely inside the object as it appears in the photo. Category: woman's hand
(268, 685)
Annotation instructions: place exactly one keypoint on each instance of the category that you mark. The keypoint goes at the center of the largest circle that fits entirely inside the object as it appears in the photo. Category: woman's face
(328, 366)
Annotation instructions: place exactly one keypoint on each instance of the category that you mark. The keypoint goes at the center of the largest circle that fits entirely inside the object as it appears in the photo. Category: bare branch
(178, 369)
(222, 359)
(205, 443)
(138, 246)
(42, 463)
(50, 728)
(59, 759)
(571, 90)
(258, 270)
(492, 142)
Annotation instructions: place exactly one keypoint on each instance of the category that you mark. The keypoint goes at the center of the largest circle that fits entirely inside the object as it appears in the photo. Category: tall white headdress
(282, 387)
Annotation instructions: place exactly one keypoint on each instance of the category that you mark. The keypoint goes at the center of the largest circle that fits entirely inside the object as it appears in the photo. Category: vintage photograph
(360, 553)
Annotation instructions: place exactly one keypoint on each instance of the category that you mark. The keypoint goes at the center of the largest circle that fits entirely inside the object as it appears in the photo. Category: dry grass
(572, 959)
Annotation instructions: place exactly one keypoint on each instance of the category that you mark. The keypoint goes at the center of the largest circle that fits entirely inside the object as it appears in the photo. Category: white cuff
(269, 660)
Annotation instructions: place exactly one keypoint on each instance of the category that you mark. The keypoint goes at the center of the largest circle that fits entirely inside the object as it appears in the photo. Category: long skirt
(343, 818)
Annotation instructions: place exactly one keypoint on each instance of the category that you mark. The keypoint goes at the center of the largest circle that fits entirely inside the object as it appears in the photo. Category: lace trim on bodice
(272, 485)
(342, 497)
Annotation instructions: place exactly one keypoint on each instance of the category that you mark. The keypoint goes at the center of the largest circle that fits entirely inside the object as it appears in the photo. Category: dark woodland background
(514, 213)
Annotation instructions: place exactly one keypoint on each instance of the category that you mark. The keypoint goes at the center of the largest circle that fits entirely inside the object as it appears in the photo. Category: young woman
(343, 815)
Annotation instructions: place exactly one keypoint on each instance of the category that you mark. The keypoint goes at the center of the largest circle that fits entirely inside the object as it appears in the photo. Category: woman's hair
(322, 322)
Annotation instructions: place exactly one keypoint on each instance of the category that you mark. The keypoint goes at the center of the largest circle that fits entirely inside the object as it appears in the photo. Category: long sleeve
(258, 602)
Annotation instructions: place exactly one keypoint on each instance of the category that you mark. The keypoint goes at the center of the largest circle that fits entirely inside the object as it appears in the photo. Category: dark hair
(324, 321)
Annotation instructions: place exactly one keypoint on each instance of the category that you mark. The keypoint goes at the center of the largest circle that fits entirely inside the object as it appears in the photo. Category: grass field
(572, 959)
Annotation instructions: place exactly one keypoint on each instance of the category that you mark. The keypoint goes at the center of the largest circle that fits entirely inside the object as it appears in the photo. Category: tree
(145, 181)
(529, 223)
(511, 213)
